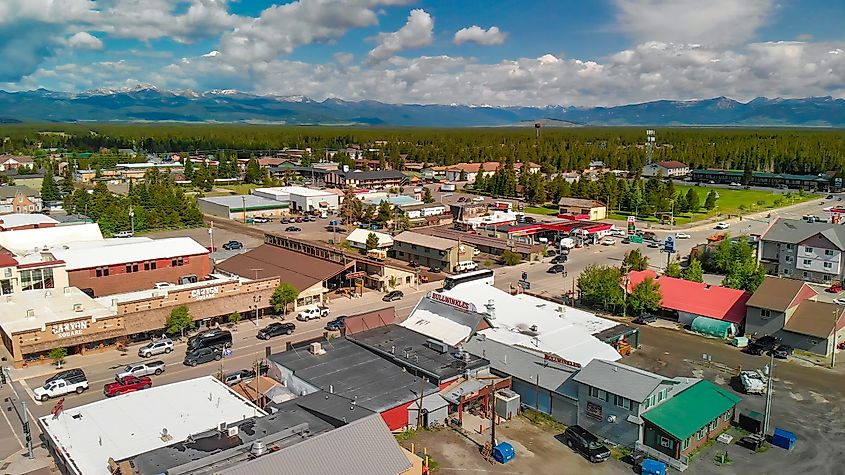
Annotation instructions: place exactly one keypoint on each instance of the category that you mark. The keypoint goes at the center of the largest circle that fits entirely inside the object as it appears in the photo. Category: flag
(58, 408)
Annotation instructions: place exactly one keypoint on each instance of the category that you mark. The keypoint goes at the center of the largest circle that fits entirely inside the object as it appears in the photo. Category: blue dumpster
(503, 452)
(783, 439)
(653, 467)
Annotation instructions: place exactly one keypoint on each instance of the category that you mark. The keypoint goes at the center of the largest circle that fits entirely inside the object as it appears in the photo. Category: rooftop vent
(258, 448)
(77, 307)
(30, 313)
(165, 435)
(491, 309)
(437, 346)
(66, 290)
(316, 349)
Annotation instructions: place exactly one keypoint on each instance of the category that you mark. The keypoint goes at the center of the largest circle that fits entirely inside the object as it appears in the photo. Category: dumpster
(783, 439)
(652, 467)
(503, 452)
(752, 421)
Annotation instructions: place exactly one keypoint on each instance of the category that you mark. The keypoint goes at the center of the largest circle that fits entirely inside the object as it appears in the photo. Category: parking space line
(13, 429)
(28, 390)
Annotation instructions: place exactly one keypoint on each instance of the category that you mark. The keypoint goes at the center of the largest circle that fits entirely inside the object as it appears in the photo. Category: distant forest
(557, 149)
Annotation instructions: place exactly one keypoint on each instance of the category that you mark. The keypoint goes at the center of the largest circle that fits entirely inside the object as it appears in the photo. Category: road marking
(13, 430)
(28, 390)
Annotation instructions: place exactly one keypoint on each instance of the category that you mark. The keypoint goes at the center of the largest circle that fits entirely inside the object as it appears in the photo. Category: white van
(465, 266)
(567, 243)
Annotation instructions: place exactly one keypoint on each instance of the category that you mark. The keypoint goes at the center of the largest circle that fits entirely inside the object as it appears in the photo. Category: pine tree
(189, 169)
(693, 202)
(49, 189)
(710, 202)
(254, 173)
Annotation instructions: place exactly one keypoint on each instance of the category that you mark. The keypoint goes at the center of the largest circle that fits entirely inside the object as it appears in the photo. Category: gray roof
(363, 446)
(524, 365)
(236, 202)
(354, 372)
(10, 191)
(617, 378)
(579, 202)
(794, 231)
(371, 175)
(408, 348)
(432, 242)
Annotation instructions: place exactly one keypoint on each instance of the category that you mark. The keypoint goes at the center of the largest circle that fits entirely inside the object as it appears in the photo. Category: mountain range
(149, 104)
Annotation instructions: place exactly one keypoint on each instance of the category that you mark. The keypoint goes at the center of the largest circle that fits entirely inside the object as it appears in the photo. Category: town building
(19, 199)
(300, 198)
(468, 172)
(368, 179)
(691, 419)
(375, 199)
(577, 208)
(20, 221)
(311, 175)
(709, 309)
(774, 180)
(786, 308)
(33, 272)
(14, 162)
(358, 239)
(431, 251)
(489, 245)
(797, 249)
(463, 211)
(668, 169)
(27, 241)
(425, 214)
(242, 207)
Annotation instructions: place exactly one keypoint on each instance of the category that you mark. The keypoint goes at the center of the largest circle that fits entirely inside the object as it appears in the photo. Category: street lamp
(132, 219)
(256, 299)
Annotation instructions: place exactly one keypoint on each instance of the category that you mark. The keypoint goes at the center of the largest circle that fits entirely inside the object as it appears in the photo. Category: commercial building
(577, 208)
(710, 309)
(784, 308)
(431, 251)
(469, 171)
(19, 199)
(775, 180)
(358, 239)
(242, 207)
(314, 175)
(26, 241)
(20, 221)
(691, 419)
(489, 245)
(32, 272)
(667, 169)
(796, 249)
(36, 321)
(300, 198)
(361, 179)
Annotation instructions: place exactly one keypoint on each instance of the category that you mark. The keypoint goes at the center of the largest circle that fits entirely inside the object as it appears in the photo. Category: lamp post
(132, 219)
(256, 299)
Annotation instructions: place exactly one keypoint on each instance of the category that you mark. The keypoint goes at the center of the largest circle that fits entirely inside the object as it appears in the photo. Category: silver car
(165, 345)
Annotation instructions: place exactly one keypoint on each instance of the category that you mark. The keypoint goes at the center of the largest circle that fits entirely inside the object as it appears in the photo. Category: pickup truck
(753, 382)
(312, 314)
(60, 387)
(141, 369)
(127, 384)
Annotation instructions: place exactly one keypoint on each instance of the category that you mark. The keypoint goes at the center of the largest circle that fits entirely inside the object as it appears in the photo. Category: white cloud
(476, 34)
(711, 22)
(84, 40)
(417, 32)
(152, 19)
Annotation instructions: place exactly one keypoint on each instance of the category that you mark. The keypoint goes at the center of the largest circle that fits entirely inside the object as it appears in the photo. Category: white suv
(312, 314)
(723, 225)
(165, 345)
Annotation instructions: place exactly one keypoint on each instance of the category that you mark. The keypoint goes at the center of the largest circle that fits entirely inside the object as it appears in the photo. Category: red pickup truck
(127, 384)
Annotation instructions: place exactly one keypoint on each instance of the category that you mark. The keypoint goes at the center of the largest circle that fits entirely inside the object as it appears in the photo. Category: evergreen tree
(645, 297)
(254, 173)
(372, 241)
(710, 202)
(385, 212)
(427, 198)
(49, 188)
(694, 272)
(693, 202)
(67, 180)
(673, 270)
(189, 169)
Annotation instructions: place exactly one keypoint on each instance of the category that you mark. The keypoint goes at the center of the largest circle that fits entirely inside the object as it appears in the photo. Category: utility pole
(211, 235)
(243, 201)
(132, 219)
(836, 315)
(768, 412)
(24, 418)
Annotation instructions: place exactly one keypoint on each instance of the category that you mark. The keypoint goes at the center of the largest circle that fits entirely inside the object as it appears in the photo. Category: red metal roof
(6, 260)
(713, 301)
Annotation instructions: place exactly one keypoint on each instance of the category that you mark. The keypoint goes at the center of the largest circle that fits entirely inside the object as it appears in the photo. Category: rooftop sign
(451, 301)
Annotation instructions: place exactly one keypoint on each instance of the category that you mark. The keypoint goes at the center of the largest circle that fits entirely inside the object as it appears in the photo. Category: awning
(712, 327)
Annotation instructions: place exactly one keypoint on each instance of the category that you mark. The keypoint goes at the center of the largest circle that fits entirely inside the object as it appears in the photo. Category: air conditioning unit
(316, 349)
(77, 307)
(437, 346)
(233, 431)
(611, 418)
(221, 427)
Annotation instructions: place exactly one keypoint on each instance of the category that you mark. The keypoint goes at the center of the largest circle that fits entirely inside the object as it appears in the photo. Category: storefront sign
(594, 410)
(69, 329)
(451, 301)
(552, 358)
(205, 293)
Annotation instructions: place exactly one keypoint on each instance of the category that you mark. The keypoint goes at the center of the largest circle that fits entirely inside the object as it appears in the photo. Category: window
(828, 265)
(5, 287)
(828, 252)
(808, 262)
(808, 250)
(726, 416)
(788, 258)
(787, 272)
(789, 247)
(149, 265)
(622, 402)
(37, 279)
(664, 442)
(714, 424)
(804, 274)
(131, 268)
(686, 442)
(765, 313)
(661, 395)
(413, 246)
(102, 271)
(177, 262)
(702, 433)
(598, 393)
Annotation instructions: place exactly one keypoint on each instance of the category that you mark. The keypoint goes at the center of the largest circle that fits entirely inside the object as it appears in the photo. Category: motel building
(33, 322)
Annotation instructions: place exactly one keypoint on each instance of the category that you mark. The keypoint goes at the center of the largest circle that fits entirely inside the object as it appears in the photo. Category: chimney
(66, 291)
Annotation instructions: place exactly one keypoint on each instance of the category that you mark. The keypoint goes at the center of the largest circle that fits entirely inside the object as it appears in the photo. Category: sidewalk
(19, 464)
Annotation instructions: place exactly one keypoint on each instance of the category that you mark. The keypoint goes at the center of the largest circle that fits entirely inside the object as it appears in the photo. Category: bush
(235, 318)
(510, 258)
(58, 355)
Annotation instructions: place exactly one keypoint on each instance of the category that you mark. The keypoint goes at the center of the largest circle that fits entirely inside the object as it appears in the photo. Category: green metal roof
(785, 176)
(692, 409)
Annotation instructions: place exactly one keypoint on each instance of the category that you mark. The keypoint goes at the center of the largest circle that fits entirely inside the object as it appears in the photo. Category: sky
(482, 52)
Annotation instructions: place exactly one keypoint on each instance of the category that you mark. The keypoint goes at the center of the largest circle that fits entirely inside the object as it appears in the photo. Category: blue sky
(499, 52)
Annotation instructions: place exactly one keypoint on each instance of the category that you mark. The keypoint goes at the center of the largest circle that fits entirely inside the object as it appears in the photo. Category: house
(709, 309)
(784, 308)
(612, 398)
(19, 199)
(14, 162)
(365, 179)
(578, 208)
(469, 171)
(796, 249)
(689, 420)
(668, 169)
(431, 251)
(358, 239)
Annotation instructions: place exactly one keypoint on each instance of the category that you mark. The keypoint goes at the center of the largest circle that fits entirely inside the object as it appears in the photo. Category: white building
(20, 221)
(358, 239)
(26, 241)
(83, 439)
(671, 168)
(300, 198)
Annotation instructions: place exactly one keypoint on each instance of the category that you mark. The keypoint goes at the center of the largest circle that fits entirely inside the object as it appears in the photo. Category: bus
(481, 276)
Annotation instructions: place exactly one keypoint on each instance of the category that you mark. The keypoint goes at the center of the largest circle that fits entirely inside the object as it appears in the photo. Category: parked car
(261, 219)
(123, 234)
(783, 351)
(581, 440)
(477, 198)
(608, 242)
(839, 301)
(733, 183)
(762, 345)
(645, 319)
(63, 383)
(654, 244)
(212, 338)
(551, 253)
(140, 369)
(556, 269)
(312, 313)
(203, 355)
(723, 225)
(165, 345)
(337, 324)
(298, 219)
(127, 384)
(233, 245)
(435, 269)
(275, 329)
(293, 229)
(834, 288)
(560, 259)
(394, 295)
(163, 285)
(682, 236)
(238, 376)
(753, 382)
(414, 264)
(828, 197)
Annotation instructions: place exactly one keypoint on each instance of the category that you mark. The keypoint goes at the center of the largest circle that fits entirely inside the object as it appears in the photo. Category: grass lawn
(550, 210)
(241, 189)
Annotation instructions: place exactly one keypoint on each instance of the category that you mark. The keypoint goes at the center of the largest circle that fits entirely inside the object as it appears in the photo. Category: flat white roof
(23, 219)
(25, 241)
(237, 201)
(435, 326)
(132, 424)
(150, 293)
(37, 309)
(119, 251)
(493, 218)
(561, 330)
(303, 191)
(360, 235)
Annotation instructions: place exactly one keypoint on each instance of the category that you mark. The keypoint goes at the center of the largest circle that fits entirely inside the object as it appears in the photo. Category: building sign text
(69, 329)
(438, 297)
(552, 358)
(205, 293)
